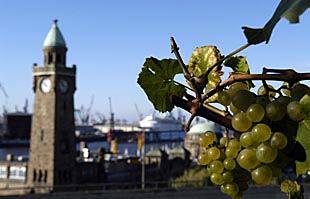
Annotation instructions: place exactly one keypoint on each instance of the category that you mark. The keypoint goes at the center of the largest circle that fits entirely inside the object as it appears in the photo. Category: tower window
(40, 175)
(34, 175)
(58, 61)
(50, 58)
(45, 176)
(42, 135)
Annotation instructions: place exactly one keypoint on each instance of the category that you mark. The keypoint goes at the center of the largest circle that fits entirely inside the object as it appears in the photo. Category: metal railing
(102, 187)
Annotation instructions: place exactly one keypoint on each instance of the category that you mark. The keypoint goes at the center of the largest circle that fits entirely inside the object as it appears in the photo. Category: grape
(204, 159)
(275, 111)
(263, 91)
(234, 109)
(278, 140)
(223, 97)
(231, 152)
(242, 99)
(223, 188)
(240, 122)
(223, 141)
(261, 132)
(298, 91)
(234, 143)
(229, 163)
(262, 175)
(231, 189)
(206, 139)
(217, 178)
(285, 90)
(222, 155)
(294, 111)
(212, 135)
(247, 159)
(255, 113)
(216, 166)
(305, 103)
(228, 176)
(262, 100)
(214, 153)
(246, 139)
(284, 100)
(265, 153)
(236, 87)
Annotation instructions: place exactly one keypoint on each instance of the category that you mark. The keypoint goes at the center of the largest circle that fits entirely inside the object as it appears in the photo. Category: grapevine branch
(218, 116)
(286, 75)
(202, 112)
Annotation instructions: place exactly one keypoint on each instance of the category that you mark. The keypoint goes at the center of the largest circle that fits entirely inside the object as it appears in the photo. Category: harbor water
(128, 148)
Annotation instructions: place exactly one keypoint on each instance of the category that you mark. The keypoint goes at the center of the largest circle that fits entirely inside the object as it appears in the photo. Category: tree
(271, 127)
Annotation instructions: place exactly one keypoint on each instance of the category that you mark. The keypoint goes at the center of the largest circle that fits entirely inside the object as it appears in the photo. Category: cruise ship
(161, 122)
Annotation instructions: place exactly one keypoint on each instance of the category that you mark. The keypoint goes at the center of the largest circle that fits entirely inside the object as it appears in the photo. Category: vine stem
(187, 75)
(203, 111)
(182, 85)
(224, 58)
(188, 124)
(287, 76)
(227, 136)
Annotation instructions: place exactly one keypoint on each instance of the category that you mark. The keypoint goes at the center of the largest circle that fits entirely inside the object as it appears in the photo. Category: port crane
(111, 122)
(25, 108)
(6, 96)
(84, 114)
(140, 115)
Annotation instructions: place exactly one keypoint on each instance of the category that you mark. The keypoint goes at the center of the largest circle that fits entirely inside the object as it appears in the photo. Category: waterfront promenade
(208, 193)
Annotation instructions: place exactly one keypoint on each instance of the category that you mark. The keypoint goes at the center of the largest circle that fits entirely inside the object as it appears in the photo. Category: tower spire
(54, 47)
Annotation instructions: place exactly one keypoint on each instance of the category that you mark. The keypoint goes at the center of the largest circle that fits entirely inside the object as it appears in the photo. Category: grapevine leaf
(156, 81)
(289, 9)
(303, 135)
(239, 65)
(201, 60)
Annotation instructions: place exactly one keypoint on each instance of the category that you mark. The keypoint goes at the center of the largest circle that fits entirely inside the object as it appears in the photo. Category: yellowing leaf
(201, 60)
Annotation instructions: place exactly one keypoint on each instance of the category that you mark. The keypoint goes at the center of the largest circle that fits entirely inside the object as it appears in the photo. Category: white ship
(161, 122)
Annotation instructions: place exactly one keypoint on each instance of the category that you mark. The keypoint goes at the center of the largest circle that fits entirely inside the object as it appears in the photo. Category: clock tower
(52, 160)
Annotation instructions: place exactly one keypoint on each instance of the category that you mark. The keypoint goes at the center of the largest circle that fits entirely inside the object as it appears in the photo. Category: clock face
(46, 85)
(63, 86)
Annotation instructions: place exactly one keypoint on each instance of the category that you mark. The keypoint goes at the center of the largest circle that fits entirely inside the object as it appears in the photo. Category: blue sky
(109, 41)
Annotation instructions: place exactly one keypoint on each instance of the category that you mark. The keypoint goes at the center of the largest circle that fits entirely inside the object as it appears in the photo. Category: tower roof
(54, 37)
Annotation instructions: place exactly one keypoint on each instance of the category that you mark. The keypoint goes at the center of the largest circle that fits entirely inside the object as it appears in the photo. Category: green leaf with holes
(303, 135)
(200, 62)
(156, 79)
(239, 65)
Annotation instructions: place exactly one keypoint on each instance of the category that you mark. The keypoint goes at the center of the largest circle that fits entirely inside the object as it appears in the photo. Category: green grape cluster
(266, 127)
(222, 165)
